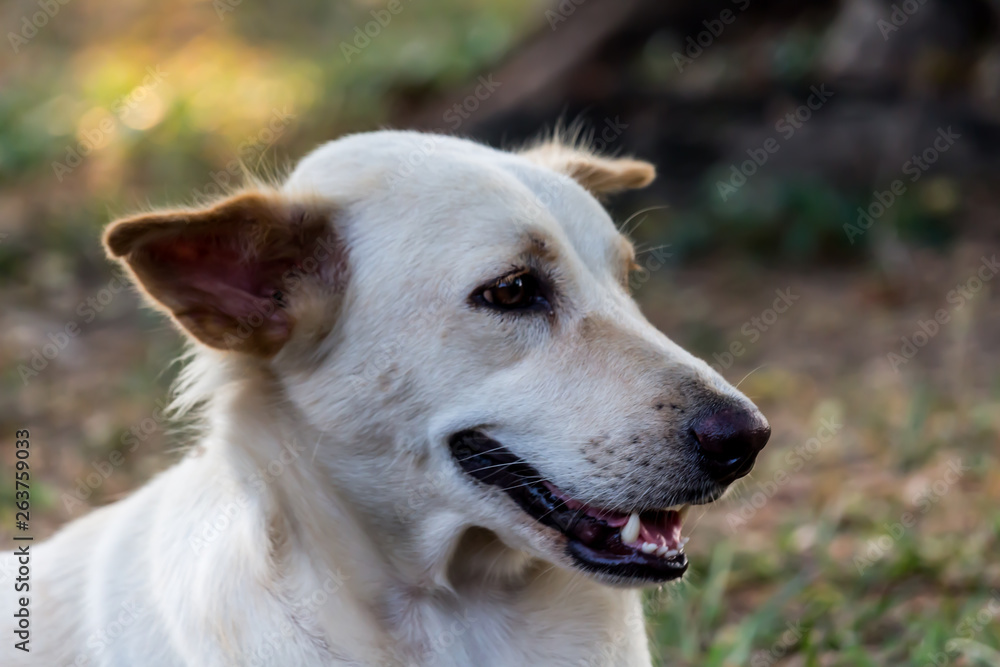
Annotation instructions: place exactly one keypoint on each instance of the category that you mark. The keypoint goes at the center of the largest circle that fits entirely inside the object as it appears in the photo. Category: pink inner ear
(211, 275)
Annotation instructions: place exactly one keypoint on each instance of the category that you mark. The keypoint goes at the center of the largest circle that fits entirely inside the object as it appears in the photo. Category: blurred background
(823, 230)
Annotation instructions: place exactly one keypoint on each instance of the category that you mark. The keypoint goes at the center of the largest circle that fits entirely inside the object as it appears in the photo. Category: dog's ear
(228, 274)
(600, 175)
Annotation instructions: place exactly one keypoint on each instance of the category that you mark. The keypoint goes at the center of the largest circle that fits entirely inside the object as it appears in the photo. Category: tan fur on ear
(253, 211)
(226, 273)
(600, 175)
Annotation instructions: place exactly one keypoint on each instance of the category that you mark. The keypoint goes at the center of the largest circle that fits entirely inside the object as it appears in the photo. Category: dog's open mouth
(644, 545)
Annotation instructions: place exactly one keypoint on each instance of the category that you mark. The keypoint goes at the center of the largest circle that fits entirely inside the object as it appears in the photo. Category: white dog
(436, 428)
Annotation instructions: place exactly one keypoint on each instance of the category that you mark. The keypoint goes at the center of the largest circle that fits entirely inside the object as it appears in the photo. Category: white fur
(320, 520)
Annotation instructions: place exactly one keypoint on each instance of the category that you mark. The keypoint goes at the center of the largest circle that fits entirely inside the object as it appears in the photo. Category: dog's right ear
(230, 274)
(599, 175)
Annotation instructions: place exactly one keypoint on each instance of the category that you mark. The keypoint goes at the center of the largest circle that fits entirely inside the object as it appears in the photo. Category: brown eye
(514, 292)
(509, 293)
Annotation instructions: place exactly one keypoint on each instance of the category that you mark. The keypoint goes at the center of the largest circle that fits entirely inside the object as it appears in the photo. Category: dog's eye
(520, 291)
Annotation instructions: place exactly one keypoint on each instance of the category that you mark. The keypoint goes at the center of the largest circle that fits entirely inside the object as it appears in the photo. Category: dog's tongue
(662, 529)
(610, 517)
(651, 531)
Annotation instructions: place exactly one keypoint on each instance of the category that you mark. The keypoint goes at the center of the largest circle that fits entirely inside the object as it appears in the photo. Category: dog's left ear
(600, 175)
(230, 274)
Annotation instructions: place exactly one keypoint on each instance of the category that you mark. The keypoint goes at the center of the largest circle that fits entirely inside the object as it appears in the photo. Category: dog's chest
(593, 626)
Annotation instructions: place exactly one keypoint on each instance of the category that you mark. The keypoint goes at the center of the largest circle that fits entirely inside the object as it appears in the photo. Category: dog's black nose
(730, 440)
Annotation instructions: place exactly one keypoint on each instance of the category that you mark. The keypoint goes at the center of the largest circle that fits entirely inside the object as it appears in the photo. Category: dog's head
(455, 323)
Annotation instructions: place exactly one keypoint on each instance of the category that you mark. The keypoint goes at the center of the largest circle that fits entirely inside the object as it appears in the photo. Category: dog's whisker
(749, 374)
(551, 441)
(646, 251)
(485, 451)
(623, 228)
(581, 511)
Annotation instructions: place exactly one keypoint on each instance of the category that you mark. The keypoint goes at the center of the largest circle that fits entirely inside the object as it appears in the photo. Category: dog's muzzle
(644, 546)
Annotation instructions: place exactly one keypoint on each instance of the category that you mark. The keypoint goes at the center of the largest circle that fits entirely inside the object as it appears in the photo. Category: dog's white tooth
(648, 547)
(670, 553)
(683, 541)
(630, 531)
(662, 550)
